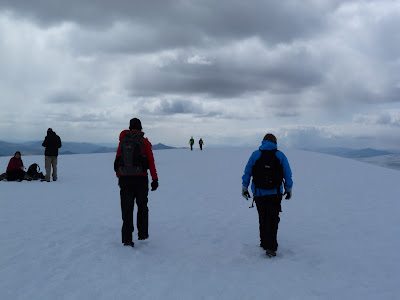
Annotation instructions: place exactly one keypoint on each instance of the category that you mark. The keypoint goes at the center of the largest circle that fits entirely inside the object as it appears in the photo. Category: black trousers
(131, 191)
(268, 208)
(15, 175)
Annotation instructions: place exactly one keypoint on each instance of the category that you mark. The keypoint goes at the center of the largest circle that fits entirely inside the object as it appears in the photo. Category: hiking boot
(270, 253)
(143, 237)
(132, 244)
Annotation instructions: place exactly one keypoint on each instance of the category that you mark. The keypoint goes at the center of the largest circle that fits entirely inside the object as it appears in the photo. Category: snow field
(338, 235)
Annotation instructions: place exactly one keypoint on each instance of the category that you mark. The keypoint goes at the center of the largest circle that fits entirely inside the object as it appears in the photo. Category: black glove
(245, 193)
(154, 185)
(117, 163)
(288, 195)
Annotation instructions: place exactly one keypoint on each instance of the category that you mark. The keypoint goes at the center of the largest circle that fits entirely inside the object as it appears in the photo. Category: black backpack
(34, 172)
(133, 159)
(268, 171)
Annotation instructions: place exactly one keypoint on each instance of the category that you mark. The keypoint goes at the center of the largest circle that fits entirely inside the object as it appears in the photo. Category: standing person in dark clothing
(134, 157)
(15, 169)
(201, 143)
(191, 143)
(269, 170)
(52, 143)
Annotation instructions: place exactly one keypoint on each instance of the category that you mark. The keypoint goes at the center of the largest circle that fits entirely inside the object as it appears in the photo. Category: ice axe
(252, 203)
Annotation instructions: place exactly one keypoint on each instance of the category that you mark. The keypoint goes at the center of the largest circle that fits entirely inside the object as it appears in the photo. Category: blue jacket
(287, 173)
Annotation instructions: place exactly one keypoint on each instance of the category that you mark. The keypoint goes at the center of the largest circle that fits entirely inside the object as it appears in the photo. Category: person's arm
(150, 160)
(44, 144)
(59, 144)
(10, 165)
(287, 173)
(248, 170)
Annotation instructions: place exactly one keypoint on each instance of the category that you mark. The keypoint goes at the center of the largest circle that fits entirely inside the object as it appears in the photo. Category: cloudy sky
(315, 73)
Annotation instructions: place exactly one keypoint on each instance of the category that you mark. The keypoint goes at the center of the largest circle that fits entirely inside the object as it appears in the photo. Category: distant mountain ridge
(352, 153)
(35, 148)
(384, 158)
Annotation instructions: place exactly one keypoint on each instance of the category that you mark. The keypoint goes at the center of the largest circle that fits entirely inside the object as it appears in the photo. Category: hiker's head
(17, 154)
(270, 137)
(49, 131)
(135, 124)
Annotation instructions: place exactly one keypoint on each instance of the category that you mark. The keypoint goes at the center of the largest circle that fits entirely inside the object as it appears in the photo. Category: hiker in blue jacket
(271, 179)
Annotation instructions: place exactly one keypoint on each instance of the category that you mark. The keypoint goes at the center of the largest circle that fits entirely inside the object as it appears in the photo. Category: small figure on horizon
(201, 143)
(133, 158)
(15, 169)
(269, 170)
(52, 143)
(191, 143)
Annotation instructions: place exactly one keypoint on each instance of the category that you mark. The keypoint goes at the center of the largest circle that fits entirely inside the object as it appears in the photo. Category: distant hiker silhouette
(201, 143)
(269, 169)
(52, 143)
(133, 158)
(191, 143)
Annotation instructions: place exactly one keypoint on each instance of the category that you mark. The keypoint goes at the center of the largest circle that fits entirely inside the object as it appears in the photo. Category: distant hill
(388, 159)
(352, 153)
(160, 146)
(35, 148)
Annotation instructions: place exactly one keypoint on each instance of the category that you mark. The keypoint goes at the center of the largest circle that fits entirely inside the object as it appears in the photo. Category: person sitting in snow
(15, 169)
(269, 170)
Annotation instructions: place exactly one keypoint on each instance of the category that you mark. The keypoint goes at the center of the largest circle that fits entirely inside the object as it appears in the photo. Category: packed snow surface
(339, 235)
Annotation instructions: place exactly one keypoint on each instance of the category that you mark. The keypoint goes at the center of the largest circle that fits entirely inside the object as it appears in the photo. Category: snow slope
(339, 236)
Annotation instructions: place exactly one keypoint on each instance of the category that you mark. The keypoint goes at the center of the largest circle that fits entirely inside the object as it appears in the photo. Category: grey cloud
(74, 117)
(290, 60)
(287, 114)
(178, 107)
(383, 118)
(184, 107)
(225, 76)
(64, 97)
(186, 22)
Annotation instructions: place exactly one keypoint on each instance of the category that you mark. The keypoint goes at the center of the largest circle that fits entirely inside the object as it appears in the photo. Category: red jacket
(148, 151)
(15, 164)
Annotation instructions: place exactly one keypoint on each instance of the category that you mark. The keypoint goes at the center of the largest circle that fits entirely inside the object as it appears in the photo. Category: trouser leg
(268, 210)
(272, 217)
(54, 166)
(261, 209)
(15, 175)
(127, 203)
(47, 166)
(142, 221)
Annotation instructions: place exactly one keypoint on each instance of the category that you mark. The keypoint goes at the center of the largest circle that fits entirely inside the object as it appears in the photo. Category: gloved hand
(245, 193)
(117, 163)
(288, 194)
(154, 185)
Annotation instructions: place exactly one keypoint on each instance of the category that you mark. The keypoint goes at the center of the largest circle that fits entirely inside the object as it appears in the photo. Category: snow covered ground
(339, 236)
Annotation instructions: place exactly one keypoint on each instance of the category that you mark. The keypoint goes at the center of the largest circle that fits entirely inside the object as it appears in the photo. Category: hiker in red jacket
(134, 156)
(15, 169)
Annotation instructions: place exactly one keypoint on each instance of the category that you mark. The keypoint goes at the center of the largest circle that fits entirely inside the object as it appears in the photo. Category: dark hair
(270, 137)
(135, 124)
(17, 152)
